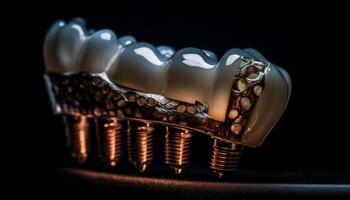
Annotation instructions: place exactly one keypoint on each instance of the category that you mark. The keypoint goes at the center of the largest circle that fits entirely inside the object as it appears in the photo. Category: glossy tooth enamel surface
(210, 54)
(68, 48)
(190, 78)
(52, 61)
(166, 51)
(126, 40)
(188, 75)
(139, 66)
(99, 52)
(70, 41)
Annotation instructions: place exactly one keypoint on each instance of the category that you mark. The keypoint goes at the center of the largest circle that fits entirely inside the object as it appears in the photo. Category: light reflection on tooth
(70, 49)
(127, 40)
(149, 55)
(229, 65)
(166, 51)
(195, 60)
(210, 54)
(190, 76)
(52, 62)
(99, 52)
(192, 80)
(69, 43)
(140, 67)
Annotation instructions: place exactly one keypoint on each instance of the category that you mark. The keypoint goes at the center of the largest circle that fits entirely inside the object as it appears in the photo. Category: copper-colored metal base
(140, 145)
(109, 140)
(225, 157)
(78, 137)
(177, 149)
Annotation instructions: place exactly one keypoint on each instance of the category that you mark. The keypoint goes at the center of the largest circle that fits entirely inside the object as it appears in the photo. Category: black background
(309, 137)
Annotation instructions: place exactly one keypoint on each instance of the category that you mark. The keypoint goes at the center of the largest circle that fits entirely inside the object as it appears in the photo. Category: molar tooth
(100, 49)
(227, 68)
(139, 66)
(190, 76)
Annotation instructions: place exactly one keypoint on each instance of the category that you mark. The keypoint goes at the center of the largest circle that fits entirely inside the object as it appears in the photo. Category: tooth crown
(139, 66)
(188, 75)
(238, 98)
(68, 48)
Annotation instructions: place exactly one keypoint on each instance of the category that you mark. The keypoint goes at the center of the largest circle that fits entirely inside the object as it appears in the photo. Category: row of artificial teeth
(69, 48)
(188, 75)
(72, 48)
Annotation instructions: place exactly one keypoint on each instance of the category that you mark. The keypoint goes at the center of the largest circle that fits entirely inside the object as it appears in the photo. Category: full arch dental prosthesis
(108, 87)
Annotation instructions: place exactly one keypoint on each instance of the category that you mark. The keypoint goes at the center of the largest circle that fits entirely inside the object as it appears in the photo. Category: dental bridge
(106, 86)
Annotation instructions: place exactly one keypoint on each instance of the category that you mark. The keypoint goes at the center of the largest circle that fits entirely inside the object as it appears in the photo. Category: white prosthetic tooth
(139, 66)
(99, 51)
(126, 40)
(228, 66)
(210, 54)
(190, 76)
(69, 44)
(269, 108)
(50, 48)
(166, 51)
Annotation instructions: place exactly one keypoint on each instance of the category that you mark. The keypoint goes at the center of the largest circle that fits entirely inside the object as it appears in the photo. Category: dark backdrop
(309, 136)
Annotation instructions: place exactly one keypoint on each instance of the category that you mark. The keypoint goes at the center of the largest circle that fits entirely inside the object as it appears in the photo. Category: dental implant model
(128, 88)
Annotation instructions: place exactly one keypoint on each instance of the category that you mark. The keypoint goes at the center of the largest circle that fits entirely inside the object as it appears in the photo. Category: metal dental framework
(100, 82)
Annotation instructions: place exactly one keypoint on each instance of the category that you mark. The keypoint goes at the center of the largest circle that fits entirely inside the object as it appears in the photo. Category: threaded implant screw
(178, 152)
(140, 144)
(109, 140)
(225, 157)
(78, 137)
